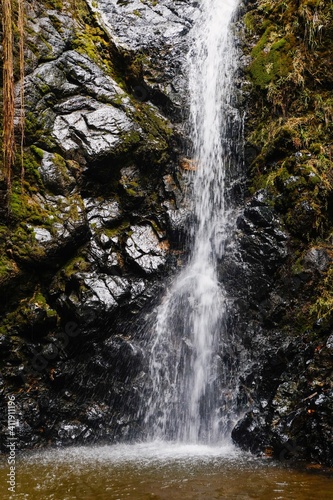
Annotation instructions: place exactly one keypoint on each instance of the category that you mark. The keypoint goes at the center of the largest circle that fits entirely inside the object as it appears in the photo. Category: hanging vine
(8, 94)
(20, 25)
(13, 21)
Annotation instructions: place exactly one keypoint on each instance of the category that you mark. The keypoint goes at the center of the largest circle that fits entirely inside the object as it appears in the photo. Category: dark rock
(145, 248)
(157, 34)
(317, 258)
(55, 174)
(102, 213)
(329, 343)
(103, 198)
(43, 33)
(261, 216)
(69, 433)
(95, 133)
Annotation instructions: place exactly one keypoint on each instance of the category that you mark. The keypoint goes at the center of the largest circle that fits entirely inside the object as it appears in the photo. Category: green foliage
(91, 41)
(32, 314)
(270, 64)
(290, 126)
(54, 4)
(8, 269)
(323, 306)
(77, 264)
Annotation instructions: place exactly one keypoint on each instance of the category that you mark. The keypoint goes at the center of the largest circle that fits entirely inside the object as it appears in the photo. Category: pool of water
(160, 470)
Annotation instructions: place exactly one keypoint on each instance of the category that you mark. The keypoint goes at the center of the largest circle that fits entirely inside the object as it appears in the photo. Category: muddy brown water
(161, 471)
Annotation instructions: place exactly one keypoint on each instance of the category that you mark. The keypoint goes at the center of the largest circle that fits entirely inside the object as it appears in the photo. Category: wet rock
(95, 134)
(97, 413)
(107, 259)
(55, 175)
(5, 344)
(297, 414)
(102, 213)
(42, 235)
(259, 250)
(67, 227)
(94, 296)
(130, 180)
(261, 198)
(100, 292)
(71, 432)
(74, 77)
(158, 35)
(145, 249)
(248, 433)
(179, 211)
(64, 229)
(329, 343)
(179, 221)
(122, 354)
(174, 188)
(31, 411)
(89, 120)
(93, 237)
(317, 258)
(261, 216)
(46, 34)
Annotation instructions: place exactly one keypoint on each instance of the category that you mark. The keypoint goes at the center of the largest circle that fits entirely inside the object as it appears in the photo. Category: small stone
(42, 235)
(317, 258)
(329, 343)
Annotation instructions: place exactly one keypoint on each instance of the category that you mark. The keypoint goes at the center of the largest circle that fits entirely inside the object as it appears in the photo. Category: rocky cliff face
(96, 226)
(285, 231)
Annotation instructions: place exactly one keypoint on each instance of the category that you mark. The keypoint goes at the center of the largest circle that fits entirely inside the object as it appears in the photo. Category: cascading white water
(191, 396)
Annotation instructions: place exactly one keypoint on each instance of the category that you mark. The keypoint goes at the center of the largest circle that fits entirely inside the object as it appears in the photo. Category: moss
(33, 130)
(90, 39)
(33, 314)
(121, 230)
(249, 21)
(272, 59)
(91, 42)
(290, 125)
(159, 133)
(39, 153)
(8, 269)
(75, 265)
(128, 141)
(133, 192)
(323, 306)
(26, 213)
(63, 169)
(297, 266)
(57, 23)
(54, 4)
(25, 208)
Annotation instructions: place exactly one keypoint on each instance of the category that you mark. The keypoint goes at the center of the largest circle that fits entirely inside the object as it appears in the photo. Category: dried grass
(21, 25)
(8, 93)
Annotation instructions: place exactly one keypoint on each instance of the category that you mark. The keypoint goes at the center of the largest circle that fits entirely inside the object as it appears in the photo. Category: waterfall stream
(193, 386)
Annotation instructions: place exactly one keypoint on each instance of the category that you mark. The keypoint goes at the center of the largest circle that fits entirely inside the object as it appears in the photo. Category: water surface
(161, 471)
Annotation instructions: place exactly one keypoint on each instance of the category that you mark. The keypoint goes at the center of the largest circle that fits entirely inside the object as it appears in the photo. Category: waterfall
(193, 384)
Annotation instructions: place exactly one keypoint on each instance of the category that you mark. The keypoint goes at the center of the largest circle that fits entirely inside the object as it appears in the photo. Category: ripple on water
(159, 470)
